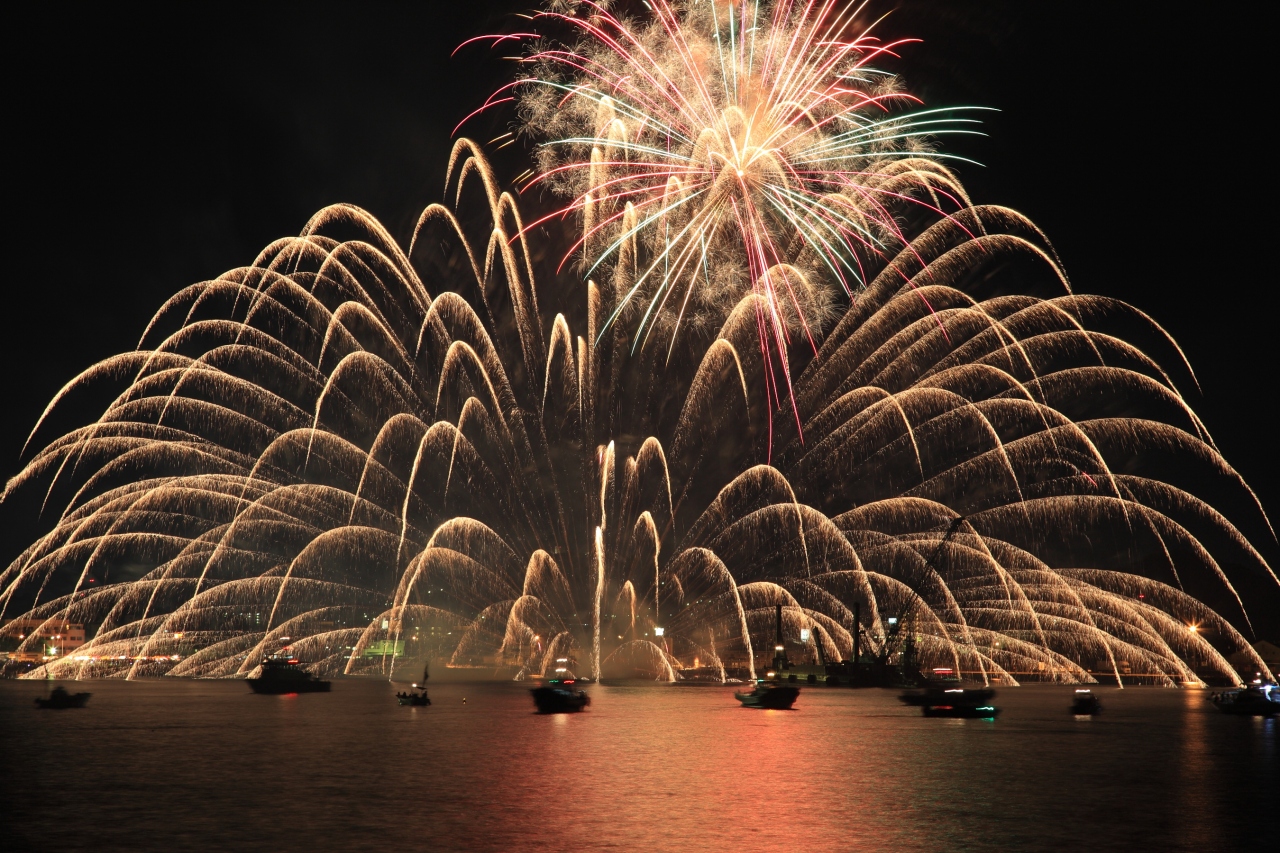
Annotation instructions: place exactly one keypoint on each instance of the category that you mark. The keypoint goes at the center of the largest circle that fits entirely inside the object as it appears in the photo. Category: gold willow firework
(718, 148)
(319, 451)
(375, 454)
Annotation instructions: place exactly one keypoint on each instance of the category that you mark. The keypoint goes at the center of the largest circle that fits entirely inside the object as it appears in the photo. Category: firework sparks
(285, 469)
(724, 149)
(335, 450)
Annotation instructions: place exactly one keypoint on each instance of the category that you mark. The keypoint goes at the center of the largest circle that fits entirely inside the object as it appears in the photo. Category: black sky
(152, 146)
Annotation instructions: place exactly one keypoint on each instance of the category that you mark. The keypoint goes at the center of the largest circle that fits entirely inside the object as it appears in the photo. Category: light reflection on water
(205, 765)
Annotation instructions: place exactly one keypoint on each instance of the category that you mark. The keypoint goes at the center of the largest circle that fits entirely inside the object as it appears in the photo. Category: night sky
(151, 147)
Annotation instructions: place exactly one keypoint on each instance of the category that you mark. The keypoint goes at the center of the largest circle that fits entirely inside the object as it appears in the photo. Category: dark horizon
(161, 150)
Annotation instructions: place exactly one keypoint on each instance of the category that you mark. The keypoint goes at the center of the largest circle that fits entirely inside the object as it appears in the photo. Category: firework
(327, 451)
(373, 453)
(720, 149)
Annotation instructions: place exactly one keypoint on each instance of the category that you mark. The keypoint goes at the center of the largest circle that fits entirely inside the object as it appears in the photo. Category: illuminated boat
(60, 698)
(281, 675)
(1255, 700)
(946, 696)
(1085, 704)
(965, 704)
(555, 697)
(413, 697)
(779, 697)
(770, 691)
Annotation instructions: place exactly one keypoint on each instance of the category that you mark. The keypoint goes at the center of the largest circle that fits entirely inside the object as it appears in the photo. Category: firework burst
(376, 452)
(718, 149)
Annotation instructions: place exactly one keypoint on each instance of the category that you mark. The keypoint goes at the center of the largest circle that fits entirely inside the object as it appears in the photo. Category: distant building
(1269, 652)
(39, 639)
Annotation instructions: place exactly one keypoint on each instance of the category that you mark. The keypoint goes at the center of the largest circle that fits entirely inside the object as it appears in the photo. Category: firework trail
(374, 451)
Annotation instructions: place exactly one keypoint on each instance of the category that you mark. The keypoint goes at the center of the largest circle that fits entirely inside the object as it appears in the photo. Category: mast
(779, 648)
(857, 632)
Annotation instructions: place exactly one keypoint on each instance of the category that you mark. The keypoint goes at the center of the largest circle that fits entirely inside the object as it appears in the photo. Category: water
(189, 765)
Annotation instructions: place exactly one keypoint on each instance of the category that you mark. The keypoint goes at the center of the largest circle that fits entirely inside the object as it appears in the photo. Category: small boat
(555, 697)
(964, 712)
(60, 698)
(779, 697)
(281, 675)
(945, 696)
(1085, 704)
(959, 703)
(414, 698)
(1255, 700)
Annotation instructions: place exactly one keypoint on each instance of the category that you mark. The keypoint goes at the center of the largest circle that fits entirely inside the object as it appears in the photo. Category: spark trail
(374, 453)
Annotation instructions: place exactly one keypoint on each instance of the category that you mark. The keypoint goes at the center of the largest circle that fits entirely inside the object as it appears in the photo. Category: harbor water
(205, 765)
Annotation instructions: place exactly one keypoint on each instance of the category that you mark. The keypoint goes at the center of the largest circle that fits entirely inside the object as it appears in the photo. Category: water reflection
(205, 765)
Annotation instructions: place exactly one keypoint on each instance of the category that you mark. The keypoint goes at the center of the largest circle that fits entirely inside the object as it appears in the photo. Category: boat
(1085, 704)
(946, 696)
(771, 692)
(413, 697)
(556, 697)
(964, 712)
(1254, 700)
(779, 697)
(60, 698)
(281, 675)
(709, 676)
(960, 703)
